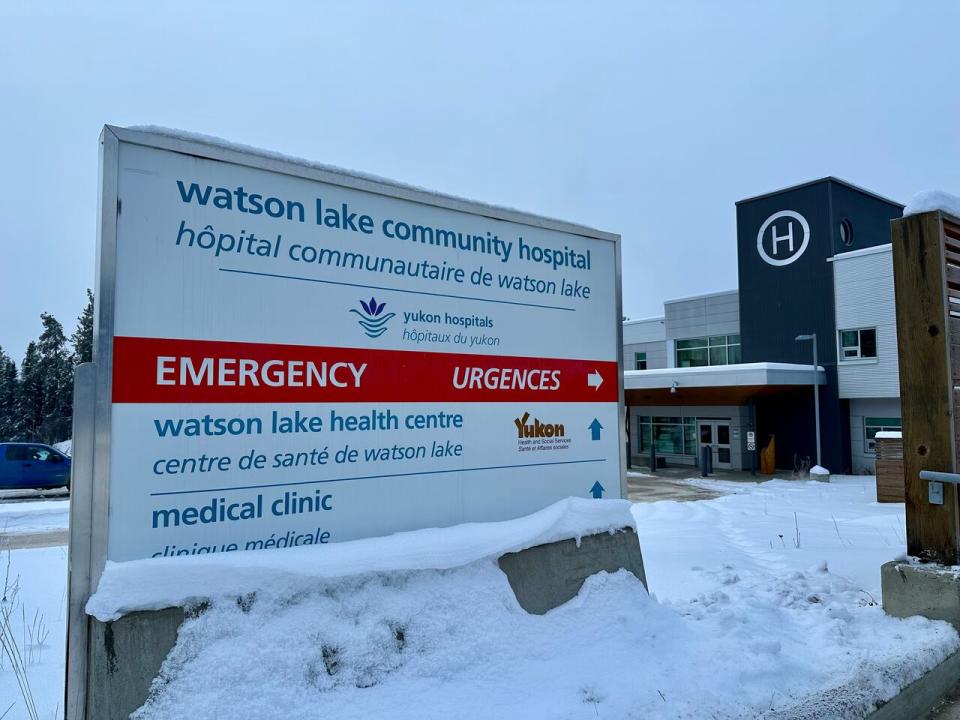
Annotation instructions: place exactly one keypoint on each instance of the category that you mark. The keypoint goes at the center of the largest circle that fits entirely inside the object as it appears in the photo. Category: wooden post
(926, 269)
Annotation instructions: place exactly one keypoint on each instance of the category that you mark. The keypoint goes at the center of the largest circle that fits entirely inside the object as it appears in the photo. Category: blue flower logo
(372, 319)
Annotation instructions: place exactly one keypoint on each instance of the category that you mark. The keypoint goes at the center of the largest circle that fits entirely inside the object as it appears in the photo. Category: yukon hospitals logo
(372, 319)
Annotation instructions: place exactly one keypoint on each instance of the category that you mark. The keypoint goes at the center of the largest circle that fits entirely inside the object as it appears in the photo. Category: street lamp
(816, 392)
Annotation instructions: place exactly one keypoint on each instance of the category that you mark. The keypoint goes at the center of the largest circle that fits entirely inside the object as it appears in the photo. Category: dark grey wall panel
(787, 291)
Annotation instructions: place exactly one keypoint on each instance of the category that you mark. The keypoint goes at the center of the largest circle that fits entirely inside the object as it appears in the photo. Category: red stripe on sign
(157, 370)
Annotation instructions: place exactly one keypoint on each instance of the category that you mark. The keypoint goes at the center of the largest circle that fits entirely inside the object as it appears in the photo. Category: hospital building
(731, 370)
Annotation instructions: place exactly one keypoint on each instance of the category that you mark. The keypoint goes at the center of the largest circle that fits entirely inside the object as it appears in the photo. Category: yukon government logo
(535, 435)
(372, 319)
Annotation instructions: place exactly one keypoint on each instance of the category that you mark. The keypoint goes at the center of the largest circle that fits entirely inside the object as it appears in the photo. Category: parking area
(33, 519)
(14, 496)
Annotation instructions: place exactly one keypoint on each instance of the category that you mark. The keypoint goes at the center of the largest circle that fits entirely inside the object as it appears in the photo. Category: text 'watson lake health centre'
(812, 259)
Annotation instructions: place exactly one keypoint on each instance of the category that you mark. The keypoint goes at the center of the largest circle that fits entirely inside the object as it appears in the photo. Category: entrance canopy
(716, 384)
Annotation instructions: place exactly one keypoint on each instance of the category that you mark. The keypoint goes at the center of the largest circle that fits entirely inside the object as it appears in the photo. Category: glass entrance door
(716, 435)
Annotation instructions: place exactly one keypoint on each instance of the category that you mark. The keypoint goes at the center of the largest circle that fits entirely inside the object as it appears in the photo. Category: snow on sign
(293, 355)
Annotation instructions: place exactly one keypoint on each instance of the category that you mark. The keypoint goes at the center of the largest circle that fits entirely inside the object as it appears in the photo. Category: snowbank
(930, 200)
(34, 517)
(819, 470)
(166, 582)
(66, 447)
(757, 627)
(454, 644)
(745, 621)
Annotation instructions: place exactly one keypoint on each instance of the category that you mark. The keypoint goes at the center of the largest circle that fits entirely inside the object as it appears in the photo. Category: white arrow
(594, 380)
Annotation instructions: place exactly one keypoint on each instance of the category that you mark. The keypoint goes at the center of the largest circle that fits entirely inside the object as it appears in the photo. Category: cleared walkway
(673, 483)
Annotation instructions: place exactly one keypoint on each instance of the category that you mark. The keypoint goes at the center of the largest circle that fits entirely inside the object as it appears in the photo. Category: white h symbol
(780, 238)
(771, 223)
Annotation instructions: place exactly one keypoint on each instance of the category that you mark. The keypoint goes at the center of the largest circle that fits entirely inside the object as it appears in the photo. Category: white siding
(656, 355)
(863, 461)
(715, 314)
(646, 336)
(643, 331)
(863, 286)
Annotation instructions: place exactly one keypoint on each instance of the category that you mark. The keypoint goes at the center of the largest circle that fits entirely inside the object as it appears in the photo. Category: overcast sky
(650, 119)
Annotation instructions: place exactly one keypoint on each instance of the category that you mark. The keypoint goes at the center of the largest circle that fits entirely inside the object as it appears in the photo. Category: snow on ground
(770, 528)
(66, 447)
(744, 628)
(39, 613)
(764, 604)
(33, 517)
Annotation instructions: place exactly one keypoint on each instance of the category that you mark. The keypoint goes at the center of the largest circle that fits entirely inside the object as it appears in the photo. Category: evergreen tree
(8, 397)
(82, 338)
(29, 405)
(56, 372)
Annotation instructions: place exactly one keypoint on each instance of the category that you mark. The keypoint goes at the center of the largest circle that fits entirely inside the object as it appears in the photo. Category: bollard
(706, 461)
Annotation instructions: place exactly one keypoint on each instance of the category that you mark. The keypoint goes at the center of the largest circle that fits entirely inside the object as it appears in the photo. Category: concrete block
(546, 576)
(920, 697)
(125, 657)
(928, 590)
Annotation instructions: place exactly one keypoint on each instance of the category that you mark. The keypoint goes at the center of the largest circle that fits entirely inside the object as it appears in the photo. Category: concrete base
(126, 655)
(925, 590)
(920, 697)
(547, 576)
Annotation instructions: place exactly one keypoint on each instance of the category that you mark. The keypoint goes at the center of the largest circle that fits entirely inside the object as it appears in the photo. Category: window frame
(708, 346)
(842, 348)
(869, 447)
(670, 428)
(639, 357)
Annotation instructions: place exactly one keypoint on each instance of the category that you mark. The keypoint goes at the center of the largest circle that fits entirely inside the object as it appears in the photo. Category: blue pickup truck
(32, 465)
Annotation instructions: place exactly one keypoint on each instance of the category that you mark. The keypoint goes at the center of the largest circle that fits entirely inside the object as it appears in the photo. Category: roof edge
(825, 179)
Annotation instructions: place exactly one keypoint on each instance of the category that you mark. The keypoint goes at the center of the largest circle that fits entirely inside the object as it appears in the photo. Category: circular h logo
(783, 237)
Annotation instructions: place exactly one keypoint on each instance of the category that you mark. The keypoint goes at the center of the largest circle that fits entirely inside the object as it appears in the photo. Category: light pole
(816, 391)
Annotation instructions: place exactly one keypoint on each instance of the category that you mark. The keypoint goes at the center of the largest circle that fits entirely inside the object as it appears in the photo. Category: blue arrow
(595, 428)
(597, 490)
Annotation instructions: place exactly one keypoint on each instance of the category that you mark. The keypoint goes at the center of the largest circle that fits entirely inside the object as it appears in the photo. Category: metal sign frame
(90, 486)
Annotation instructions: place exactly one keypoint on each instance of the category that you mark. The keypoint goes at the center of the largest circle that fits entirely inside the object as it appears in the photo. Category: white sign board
(295, 356)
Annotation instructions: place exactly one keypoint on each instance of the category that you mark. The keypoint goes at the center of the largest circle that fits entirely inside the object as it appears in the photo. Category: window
(714, 350)
(32, 453)
(873, 425)
(16, 452)
(641, 361)
(846, 232)
(38, 453)
(858, 344)
(671, 435)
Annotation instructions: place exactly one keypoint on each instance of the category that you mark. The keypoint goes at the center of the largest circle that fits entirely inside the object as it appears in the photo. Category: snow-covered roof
(742, 374)
(638, 321)
(873, 250)
(645, 331)
(701, 296)
(889, 435)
